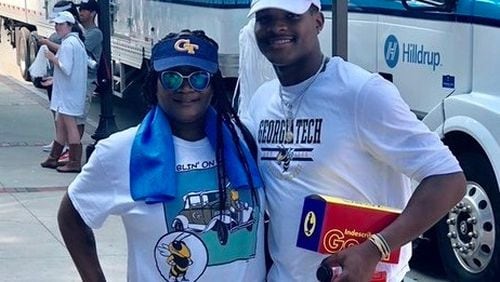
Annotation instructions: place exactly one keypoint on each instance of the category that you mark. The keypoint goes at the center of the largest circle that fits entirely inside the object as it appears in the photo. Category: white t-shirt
(70, 79)
(353, 138)
(182, 238)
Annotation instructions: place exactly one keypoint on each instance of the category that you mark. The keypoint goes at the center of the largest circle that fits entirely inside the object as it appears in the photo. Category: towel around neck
(152, 160)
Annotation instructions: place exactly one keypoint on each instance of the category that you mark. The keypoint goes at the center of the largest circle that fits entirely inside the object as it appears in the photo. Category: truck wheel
(23, 52)
(468, 240)
(32, 48)
(222, 233)
(177, 224)
(16, 42)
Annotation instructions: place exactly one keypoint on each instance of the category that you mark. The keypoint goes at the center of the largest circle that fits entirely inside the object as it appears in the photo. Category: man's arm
(80, 241)
(432, 199)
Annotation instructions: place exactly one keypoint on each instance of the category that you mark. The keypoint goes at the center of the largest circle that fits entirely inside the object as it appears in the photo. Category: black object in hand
(324, 273)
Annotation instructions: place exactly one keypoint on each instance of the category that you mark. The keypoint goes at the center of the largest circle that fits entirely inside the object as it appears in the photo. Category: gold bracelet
(379, 241)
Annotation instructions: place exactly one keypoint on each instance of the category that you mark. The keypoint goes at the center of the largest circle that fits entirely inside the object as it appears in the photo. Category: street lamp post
(339, 28)
(107, 124)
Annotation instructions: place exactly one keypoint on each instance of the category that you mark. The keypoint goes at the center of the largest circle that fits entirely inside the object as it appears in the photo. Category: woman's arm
(51, 45)
(80, 241)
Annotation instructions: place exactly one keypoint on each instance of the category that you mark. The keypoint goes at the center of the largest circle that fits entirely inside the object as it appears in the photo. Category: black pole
(107, 124)
(339, 28)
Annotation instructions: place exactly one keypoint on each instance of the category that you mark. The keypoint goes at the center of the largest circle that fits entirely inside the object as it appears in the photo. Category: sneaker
(48, 147)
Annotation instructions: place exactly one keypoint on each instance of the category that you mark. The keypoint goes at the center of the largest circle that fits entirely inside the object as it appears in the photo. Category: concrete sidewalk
(31, 248)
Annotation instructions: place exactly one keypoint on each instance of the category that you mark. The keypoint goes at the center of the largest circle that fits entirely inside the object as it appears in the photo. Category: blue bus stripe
(484, 13)
(226, 4)
(495, 22)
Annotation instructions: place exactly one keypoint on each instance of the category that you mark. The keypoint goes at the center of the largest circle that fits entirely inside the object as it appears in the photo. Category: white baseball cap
(63, 17)
(293, 6)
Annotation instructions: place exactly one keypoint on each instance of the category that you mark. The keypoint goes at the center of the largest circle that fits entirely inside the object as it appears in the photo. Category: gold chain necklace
(288, 107)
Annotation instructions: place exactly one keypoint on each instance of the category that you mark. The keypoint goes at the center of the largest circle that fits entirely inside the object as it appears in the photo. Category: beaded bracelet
(379, 241)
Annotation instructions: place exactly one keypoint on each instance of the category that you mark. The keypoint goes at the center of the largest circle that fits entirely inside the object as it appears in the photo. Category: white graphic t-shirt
(191, 238)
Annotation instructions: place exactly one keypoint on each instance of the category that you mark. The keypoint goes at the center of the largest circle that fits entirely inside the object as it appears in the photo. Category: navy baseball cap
(185, 49)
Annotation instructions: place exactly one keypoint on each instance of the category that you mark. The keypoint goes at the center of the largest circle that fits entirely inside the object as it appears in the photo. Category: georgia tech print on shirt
(288, 153)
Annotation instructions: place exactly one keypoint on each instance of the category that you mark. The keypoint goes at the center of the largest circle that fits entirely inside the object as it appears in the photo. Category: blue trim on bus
(226, 4)
(482, 12)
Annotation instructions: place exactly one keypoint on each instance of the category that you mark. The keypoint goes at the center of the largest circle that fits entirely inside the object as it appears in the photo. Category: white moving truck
(136, 26)
(443, 56)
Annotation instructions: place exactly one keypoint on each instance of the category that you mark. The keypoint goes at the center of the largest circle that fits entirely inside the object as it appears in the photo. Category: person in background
(88, 11)
(53, 42)
(68, 97)
(185, 155)
(328, 127)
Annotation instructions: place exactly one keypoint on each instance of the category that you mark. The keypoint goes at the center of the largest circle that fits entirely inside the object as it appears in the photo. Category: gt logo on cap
(184, 45)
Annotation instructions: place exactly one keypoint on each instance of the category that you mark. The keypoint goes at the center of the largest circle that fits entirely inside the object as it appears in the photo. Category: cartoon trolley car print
(202, 213)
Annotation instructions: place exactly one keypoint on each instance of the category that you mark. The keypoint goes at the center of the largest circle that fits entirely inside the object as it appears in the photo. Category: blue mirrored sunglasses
(198, 80)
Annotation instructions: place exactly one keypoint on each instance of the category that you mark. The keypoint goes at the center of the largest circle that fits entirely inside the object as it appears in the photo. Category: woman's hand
(50, 56)
(46, 81)
(42, 40)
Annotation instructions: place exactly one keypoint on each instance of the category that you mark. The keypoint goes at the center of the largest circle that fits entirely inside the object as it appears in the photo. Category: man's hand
(358, 262)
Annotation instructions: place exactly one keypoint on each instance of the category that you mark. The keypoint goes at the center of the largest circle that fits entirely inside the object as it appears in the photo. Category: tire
(222, 233)
(177, 224)
(32, 47)
(23, 53)
(16, 43)
(469, 236)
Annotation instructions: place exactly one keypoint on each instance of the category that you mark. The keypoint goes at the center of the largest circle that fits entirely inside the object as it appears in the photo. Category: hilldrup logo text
(411, 53)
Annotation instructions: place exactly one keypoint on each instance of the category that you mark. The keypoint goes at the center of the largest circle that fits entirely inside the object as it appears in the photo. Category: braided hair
(225, 115)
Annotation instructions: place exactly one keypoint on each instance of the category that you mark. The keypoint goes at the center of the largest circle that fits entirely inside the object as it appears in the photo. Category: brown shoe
(55, 152)
(75, 159)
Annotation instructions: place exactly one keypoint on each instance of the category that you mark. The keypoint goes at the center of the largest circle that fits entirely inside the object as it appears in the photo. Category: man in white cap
(328, 127)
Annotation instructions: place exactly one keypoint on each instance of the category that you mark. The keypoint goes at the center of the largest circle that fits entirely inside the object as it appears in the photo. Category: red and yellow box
(331, 224)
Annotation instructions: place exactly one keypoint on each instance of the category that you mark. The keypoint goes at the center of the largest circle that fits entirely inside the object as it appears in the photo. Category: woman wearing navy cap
(184, 183)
